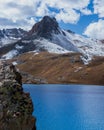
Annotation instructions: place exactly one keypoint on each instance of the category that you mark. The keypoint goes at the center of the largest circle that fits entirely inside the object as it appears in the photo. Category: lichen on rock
(15, 106)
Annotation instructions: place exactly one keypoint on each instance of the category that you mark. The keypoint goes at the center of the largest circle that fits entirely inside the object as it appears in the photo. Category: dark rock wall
(15, 106)
(45, 27)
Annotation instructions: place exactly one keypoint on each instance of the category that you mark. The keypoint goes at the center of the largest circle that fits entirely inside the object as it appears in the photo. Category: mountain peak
(49, 19)
(45, 27)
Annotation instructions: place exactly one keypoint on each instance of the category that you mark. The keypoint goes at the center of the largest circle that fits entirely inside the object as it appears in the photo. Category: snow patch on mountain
(10, 54)
(26, 41)
(18, 47)
(64, 42)
(6, 41)
(14, 63)
(46, 45)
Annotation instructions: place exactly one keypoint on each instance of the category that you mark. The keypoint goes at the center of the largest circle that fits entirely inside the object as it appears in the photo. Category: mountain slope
(88, 47)
(8, 36)
(59, 68)
(46, 35)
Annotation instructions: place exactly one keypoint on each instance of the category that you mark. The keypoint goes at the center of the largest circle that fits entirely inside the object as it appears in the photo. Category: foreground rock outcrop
(15, 106)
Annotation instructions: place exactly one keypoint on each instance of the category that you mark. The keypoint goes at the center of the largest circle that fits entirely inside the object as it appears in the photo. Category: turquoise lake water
(68, 107)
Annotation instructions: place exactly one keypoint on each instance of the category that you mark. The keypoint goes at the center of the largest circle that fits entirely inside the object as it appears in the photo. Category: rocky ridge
(45, 28)
(10, 36)
(13, 33)
(15, 106)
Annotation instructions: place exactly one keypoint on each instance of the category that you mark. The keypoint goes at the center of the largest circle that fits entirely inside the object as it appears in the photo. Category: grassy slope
(65, 68)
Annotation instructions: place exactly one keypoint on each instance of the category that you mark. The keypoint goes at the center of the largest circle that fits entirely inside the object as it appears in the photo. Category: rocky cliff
(15, 106)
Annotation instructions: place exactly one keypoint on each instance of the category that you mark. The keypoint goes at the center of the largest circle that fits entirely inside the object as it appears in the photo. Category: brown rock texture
(15, 106)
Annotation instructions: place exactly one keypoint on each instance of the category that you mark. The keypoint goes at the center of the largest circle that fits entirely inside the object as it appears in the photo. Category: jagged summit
(45, 27)
(12, 33)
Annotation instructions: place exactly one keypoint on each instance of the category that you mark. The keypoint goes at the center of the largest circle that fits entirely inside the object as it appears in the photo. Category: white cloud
(68, 9)
(17, 13)
(42, 10)
(68, 17)
(99, 7)
(86, 11)
(95, 30)
(24, 10)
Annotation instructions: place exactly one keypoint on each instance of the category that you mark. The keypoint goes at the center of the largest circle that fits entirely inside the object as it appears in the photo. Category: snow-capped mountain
(8, 36)
(46, 35)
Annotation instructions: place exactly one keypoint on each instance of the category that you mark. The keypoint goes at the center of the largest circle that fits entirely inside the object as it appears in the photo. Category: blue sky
(83, 22)
(81, 16)
(81, 25)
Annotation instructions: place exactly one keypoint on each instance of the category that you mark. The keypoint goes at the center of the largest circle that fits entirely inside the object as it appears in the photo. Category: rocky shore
(15, 106)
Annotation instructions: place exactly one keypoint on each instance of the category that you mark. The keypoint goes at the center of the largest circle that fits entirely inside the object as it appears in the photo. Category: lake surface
(68, 107)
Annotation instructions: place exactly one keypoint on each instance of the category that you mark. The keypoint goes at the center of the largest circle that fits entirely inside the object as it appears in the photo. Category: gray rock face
(45, 27)
(15, 106)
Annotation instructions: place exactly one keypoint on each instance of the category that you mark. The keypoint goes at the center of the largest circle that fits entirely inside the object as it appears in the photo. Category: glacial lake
(67, 107)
